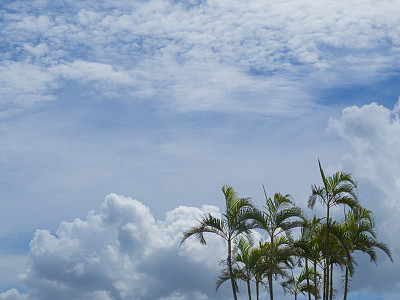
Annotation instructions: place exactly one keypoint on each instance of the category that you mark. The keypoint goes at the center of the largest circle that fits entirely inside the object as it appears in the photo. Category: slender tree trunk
(331, 285)
(308, 280)
(248, 288)
(271, 296)
(315, 279)
(231, 270)
(271, 290)
(257, 290)
(346, 279)
(328, 252)
(324, 285)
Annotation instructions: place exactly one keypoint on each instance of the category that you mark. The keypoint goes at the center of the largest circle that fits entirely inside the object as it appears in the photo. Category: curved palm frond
(225, 276)
(210, 224)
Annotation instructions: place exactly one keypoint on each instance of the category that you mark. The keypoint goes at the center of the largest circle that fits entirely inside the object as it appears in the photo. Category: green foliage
(322, 244)
(228, 228)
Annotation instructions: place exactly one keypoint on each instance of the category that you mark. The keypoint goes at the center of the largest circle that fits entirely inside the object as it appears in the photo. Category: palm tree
(305, 248)
(228, 228)
(278, 257)
(315, 246)
(338, 254)
(242, 256)
(340, 188)
(275, 219)
(259, 273)
(358, 231)
(295, 285)
(246, 259)
(259, 270)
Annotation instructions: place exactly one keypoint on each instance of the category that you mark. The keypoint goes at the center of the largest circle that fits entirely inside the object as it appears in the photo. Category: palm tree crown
(340, 188)
(229, 227)
(275, 219)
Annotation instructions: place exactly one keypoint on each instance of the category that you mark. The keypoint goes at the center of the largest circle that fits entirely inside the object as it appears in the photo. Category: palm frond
(208, 223)
(316, 193)
(324, 180)
(225, 276)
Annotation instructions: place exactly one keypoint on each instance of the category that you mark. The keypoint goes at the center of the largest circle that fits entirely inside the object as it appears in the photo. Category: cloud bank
(372, 136)
(123, 253)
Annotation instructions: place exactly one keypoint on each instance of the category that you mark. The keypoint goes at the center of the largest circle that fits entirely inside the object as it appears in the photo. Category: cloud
(203, 55)
(13, 294)
(91, 71)
(372, 135)
(24, 84)
(123, 253)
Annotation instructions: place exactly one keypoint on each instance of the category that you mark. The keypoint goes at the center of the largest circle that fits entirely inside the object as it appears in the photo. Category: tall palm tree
(275, 219)
(305, 248)
(259, 273)
(316, 246)
(358, 231)
(340, 188)
(228, 228)
(277, 259)
(242, 257)
(246, 259)
(338, 254)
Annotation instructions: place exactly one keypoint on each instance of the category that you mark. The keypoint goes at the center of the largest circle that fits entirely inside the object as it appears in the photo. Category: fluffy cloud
(372, 135)
(13, 294)
(123, 253)
(246, 56)
(93, 72)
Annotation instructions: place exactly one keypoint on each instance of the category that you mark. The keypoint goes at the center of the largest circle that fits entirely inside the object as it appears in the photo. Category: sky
(120, 121)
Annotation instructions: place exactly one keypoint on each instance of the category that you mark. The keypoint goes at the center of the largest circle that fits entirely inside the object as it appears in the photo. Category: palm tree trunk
(271, 296)
(331, 284)
(308, 280)
(248, 288)
(271, 290)
(257, 290)
(231, 270)
(315, 280)
(346, 279)
(327, 252)
(324, 285)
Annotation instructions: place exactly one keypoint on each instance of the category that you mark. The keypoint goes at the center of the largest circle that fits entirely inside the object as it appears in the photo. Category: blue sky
(166, 101)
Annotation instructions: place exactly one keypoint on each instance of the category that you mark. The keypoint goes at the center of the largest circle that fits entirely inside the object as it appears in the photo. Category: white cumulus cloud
(123, 253)
(13, 294)
(372, 135)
